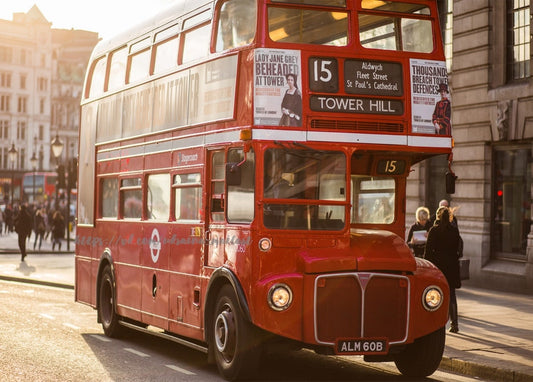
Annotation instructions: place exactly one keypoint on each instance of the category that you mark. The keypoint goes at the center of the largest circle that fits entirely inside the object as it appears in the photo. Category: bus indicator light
(245, 135)
(265, 244)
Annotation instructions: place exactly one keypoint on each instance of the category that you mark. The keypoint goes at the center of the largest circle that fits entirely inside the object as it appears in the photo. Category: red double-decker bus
(242, 179)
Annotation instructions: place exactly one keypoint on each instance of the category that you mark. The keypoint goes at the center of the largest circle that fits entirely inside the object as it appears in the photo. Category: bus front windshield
(304, 189)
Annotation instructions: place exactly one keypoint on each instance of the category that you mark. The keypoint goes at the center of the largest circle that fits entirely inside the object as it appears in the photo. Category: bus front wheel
(235, 340)
(106, 304)
(422, 357)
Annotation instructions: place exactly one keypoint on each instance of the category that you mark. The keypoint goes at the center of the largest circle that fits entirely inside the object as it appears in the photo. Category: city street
(46, 336)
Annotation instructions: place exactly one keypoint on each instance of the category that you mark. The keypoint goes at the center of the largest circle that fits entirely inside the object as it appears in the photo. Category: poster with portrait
(277, 87)
(430, 97)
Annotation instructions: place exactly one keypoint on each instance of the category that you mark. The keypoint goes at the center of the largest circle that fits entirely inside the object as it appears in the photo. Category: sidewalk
(495, 341)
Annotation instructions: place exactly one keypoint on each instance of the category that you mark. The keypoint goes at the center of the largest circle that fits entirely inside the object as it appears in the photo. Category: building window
(4, 129)
(21, 130)
(511, 224)
(5, 80)
(6, 54)
(42, 84)
(518, 39)
(22, 105)
(4, 103)
(23, 81)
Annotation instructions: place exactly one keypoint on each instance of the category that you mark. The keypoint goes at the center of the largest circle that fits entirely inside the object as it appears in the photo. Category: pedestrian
(418, 232)
(8, 218)
(58, 229)
(445, 203)
(23, 229)
(442, 249)
(39, 226)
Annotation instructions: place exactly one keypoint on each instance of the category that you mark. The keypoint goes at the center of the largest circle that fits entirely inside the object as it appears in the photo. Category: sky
(107, 17)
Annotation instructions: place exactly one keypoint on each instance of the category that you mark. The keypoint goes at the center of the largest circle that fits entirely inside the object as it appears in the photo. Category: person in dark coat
(23, 228)
(422, 225)
(442, 249)
(39, 226)
(58, 229)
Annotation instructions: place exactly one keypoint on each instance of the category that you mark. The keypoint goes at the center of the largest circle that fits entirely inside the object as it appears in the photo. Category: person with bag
(442, 249)
(418, 232)
(23, 229)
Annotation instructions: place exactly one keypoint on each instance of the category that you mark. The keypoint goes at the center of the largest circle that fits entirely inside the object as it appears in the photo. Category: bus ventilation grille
(324, 124)
(344, 309)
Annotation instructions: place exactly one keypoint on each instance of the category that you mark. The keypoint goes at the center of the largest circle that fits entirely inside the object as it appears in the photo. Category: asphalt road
(46, 336)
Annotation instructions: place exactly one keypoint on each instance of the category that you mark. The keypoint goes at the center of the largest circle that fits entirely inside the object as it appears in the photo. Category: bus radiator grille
(345, 309)
(323, 124)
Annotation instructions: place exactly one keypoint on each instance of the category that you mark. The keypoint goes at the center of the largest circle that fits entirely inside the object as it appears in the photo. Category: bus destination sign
(355, 105)
(373, 78)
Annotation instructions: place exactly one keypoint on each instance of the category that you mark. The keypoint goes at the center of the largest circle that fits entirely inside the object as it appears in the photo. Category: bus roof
(178, 8)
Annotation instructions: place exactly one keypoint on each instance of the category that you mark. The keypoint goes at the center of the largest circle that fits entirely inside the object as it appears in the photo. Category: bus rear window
(305, 26)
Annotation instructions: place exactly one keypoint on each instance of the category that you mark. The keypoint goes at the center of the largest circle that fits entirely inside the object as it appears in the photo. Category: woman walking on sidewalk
(442, 249)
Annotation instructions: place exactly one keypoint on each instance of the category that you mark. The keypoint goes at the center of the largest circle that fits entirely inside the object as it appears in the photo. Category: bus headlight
(432, 298)
(279, 297)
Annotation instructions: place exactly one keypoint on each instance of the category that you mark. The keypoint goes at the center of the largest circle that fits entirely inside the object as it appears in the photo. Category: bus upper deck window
(236, 24)
(117, 69)
(196, 43)
(306, 26)
(396, 32)
(97, 78)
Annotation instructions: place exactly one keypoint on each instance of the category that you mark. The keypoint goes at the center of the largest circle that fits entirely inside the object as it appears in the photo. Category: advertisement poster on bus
(430, 97)
(277, 87)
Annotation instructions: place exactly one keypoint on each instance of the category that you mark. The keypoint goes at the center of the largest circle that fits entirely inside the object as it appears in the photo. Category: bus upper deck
(364, 71)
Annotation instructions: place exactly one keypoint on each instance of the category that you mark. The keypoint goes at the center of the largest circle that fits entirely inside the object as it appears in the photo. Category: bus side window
(196, 43)
(96, 78)
(109, 198)
(166, 55)
(117, 69)
(131, 198)
(139, 61)
(240, 208)
(217, 186)
(236, 24)
(158, 197)
(188, 196)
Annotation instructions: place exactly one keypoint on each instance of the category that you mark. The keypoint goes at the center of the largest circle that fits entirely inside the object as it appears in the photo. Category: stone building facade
(41, 79)
(492, 98)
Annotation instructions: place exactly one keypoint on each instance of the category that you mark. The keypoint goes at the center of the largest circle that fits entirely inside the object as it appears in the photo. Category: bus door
(186, 243)
(156, 251)
(215, 221)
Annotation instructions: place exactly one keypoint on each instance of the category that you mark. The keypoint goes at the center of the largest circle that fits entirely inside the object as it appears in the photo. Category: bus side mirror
(450, 182)
(233, 174)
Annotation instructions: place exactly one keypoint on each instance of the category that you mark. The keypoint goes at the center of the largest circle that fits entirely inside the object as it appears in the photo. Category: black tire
(106, 305)
(422, 357)
(236, 342)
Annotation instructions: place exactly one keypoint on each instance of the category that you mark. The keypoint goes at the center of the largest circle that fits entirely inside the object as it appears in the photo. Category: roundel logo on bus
(155, 245)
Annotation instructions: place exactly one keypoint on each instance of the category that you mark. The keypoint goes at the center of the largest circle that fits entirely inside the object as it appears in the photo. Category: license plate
(362, 346)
